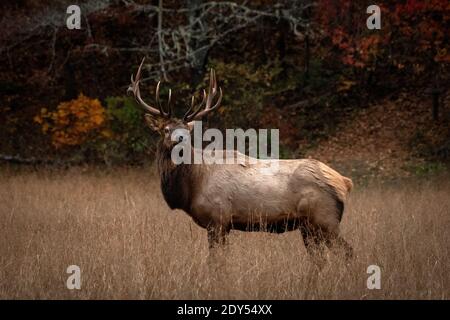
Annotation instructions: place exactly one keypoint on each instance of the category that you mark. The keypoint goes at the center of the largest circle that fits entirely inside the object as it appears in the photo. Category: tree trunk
(70, 91)
(307, 59)
(161, 52)
(198, 49)
(435, 94)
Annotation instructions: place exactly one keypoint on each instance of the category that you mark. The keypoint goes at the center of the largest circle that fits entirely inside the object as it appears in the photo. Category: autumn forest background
(375, 101)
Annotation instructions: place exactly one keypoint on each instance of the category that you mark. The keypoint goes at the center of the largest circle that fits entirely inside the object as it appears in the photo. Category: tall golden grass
(130, 245)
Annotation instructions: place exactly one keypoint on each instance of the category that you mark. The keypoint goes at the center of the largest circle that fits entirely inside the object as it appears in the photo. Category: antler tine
(211, 89)
(169, 106)
(185, 117)
(219, 100)
(134, 87)
(189, 117)
(212, 92)
(158, 101)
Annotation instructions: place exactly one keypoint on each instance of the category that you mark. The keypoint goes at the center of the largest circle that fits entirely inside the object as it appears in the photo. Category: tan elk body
(302, 194)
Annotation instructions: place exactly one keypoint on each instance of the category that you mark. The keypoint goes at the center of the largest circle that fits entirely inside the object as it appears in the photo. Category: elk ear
(152, 122)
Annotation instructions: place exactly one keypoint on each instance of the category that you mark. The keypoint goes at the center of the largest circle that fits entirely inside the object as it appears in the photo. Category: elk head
(163, 121)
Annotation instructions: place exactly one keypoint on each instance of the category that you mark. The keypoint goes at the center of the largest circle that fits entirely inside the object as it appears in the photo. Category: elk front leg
(216, 240)
(217, 236)
(216, 260)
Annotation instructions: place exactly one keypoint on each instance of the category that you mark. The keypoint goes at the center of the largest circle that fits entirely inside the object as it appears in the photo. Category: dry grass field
(130, 245)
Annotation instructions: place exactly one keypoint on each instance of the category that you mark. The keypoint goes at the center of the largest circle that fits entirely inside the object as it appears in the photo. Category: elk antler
(134, 87)
(196, 113)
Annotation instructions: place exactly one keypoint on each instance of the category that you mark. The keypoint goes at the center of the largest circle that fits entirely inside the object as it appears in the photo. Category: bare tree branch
(172, 46)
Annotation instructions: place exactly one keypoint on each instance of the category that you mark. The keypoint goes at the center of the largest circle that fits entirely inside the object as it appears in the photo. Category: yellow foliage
(106, 133)
(73, 121)
(38, 119)
(345, 85)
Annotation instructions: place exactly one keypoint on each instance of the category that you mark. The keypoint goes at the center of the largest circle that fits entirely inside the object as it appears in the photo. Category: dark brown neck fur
(177, 181)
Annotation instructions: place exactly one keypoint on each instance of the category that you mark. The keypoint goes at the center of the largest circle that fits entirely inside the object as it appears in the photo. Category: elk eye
(166, 130)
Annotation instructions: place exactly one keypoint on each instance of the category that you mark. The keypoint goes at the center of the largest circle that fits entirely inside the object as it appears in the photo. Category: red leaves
(356, 51)
(416, 7)
(423, 23)
(413, 6)
(412, 26)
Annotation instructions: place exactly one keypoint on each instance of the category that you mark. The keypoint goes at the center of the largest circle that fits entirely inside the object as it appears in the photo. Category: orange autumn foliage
(73, 121)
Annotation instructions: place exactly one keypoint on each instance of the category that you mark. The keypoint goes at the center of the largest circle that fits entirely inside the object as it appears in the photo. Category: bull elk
(301, 194)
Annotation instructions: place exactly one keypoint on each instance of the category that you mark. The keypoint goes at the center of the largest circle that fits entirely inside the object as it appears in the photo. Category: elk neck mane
(177, 181)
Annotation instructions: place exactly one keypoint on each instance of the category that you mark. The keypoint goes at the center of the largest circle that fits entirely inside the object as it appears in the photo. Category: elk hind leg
(324, 215)
(314, 242)
(335, 241)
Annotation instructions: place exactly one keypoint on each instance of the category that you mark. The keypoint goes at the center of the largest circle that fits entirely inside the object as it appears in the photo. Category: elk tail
(340, 184)
(348, 183)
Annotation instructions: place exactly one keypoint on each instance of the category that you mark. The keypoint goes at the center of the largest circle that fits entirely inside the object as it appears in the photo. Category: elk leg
(314, 242)
(216, 240)
(323, 225)
(217, 236)
(335, 241)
